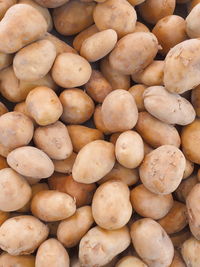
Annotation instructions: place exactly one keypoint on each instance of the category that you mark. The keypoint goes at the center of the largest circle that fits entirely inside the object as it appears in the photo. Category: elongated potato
(65, 165)
(185, 187)
(98, 120)
(22, 261)
(137, 92)
(191, 252)
(129, 261)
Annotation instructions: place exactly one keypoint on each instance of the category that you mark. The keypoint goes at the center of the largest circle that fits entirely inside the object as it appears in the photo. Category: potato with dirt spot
(190, 252)
(65, 165)
(130, 261)
(21, 261)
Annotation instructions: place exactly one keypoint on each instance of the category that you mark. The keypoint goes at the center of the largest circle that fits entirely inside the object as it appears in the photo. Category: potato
(4, 215)
(140, 27)
(167, 37)
(65, 165)
(192, 4)
(33, 27)
(167, 107)
(46, 111)
(78, 107)
(160, 204)
(192, 24)
(70, 70)
(180, 237)
(5, 5)
(31, 162)
(162, 169)
(188, 169)
(82, 193)
(190, 252)
(137, 92)
(98, 247)
(71, 230)
(130, 261)
(177, 260)
(117, 15)
(98, 87)
(82, 135)
(195, 100)
(12, 134)
(51, 253)
(185, 187)
(22, 235)
(134, 52)
(73, 17)
(3, 163)
(3, 109)
(21, 107)
(4, 151)
(147, 148)
(180, 71)
(98, 120)
(22, 261)
(152, 243)
(5, 60)
(51, 3)
(155, 132)
(129, 149)
(114, 137)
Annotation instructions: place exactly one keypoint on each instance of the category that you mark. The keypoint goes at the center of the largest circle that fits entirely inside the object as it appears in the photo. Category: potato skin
(189, 168)
(22, 261)
(5, 5)
(179, 238)
(5, 60)
(129, 261)
(98, 120)
(22, 235)
(192, 24)
(3, 109)
(190, 252)
(177, 260)
(137, 92)
(51, 3)
(185, 187)
(195, 100)
(65, 165)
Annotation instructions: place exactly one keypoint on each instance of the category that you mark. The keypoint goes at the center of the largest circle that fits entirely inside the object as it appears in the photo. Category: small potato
(98, 120)
(152, 243)
(155, 132)
(185, 187)
(160, 204)
(167, 107)
(21, 261)
(117, 15)
(134, 52)
(98, 247)
(177, 260)
(192, 24)
(98, 87)
(73, 17)
(31, 162)
(101, 156)
(129, 149)
(137, 92)
(130, 261)
(12, 134)
(51, 3)
(140, 27)
(179, 238)
(191, 252)
(5, 60)
(81, 135)
(3, 163)
(3, 109)
(51, 253)
(71, 230)
(195, 100)
(44, 106)
(82, 193)
(34, 26)
(65, 165)
(119, 111)
(162, 169)
(78, 107)
(5, 5)
(22, 235)
(188, 169)
(70, 70)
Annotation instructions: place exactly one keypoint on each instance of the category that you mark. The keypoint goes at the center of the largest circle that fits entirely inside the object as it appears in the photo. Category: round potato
(191, 252)
(137, 92)
(5, 60)
(51, 3)
(185, 187)
(21, 107)
(192, 24)
(130, 261)
(188, 169)
(22, 261)
(98, 120)
(65, 165)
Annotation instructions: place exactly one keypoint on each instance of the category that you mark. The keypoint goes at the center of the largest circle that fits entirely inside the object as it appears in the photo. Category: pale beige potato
(181, 72)
(54, 140)
(52, 253)
(130, 261)
(179, 238)
(140, 27)
(70, 70)
(31, 162)
(34, 61)
(177, 260)
(78, 107)
(98, 247)
(65, 165)
(21, 261)
(43, 105)
(162, 169)
(73, 17)
(12, 134)
(119, 111)
(101, 156)
(137, 91)
(134, 52)
(188, 169)
(25, 31)
(81, 135)
(195, 100)
(117, 15)
(3, 109)
(22, 235)
(98, 120)
(5, 5)
(3, 163)
(71, 230)
(155, 132)
(111, 207)
(152, 243)
(167, 107)
(159, 207)
(192, 24)
(5, 60)
(191, 252)
(129, 149)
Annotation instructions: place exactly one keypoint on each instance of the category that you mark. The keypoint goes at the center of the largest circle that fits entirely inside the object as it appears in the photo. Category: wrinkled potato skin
(3, 109)
(5, 60)
(191, 252)
(65, 165)
(98, 120)
(5, 5)
(188, 169)
(130, 261)
(185, 187)
(21, 261)
(51, 3)
(137, 92)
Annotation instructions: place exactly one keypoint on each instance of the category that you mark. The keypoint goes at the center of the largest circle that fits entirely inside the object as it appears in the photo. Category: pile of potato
(100, 136)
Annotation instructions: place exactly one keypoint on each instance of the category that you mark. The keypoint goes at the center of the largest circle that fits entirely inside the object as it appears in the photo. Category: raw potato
(65, 165)
(137, 92)
(98, 247)
(134, 52)
(117, 15)
(70, 70)
(22, 235)
(192, 4)
(177, 260)
(21, 261)
(185, 187)
(101, 156)
(167, 107)
(78, 107)
(5, 5)
(3, 163)
(3, 109)
(152, 243)
(191, 252)
(73, 17)
(162, 169)
(5, 60)
(192, 24)
(119, 111)
(71, 230)
(130, 261)
(195, 100)
(51, 3)
(48, 109)
(114, 137)
(140, 27)
(188, 169)
(30, 161)
(160, 204)
(54, 140)
(98, 120)
(33, 27)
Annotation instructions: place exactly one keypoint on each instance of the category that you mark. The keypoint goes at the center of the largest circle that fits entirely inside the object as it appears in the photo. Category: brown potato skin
(189, 168)
(98, 120)
(185, 187)
(5, 60)
(22, 261)
(4, 215)
(5, 5)
(51, 3)
(129, 261)
(195, 100)
(3, 109)
(65, 166)
(137, 92)
(190, 252)
(179, 238)
(177, 260)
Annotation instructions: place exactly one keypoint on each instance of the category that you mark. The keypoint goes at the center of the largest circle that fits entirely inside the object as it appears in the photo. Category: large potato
(191, 252)
(137, 92)
(152, 243)
(14, 24)
(5, 5)
(5, 60)
(30, 161)
(65, 165)
(51, 3)
(134, 52)
(192, 23)
(21, 261)
(130, 261)
(98, 120)
(162, 169)
(22, 235)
